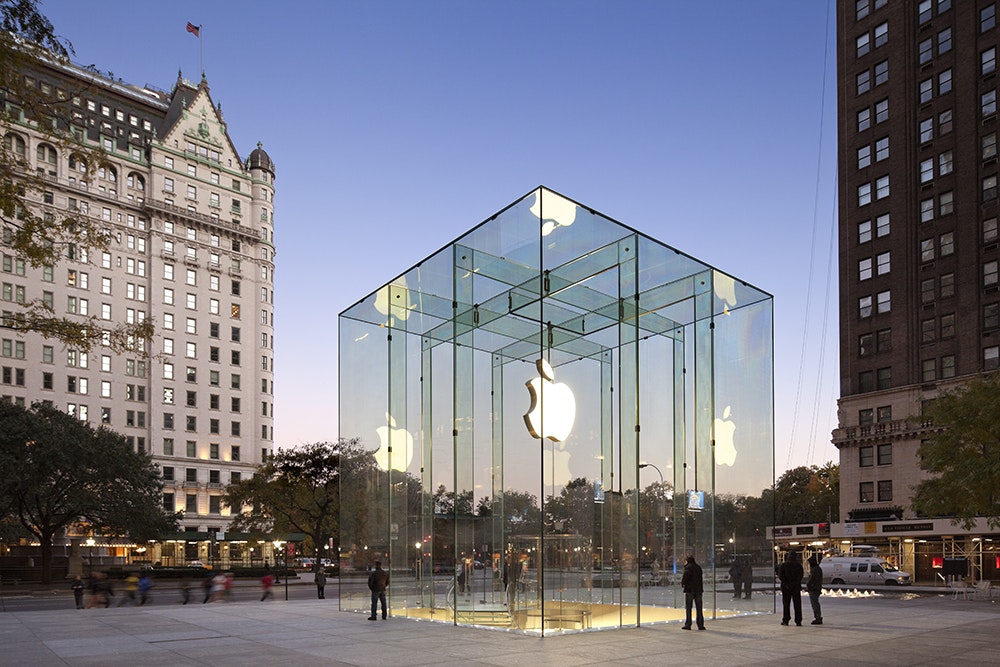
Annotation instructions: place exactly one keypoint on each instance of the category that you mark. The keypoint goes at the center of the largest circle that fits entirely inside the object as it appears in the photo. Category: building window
(865, 306)
(865, 417)
(191, 503)
(863, 44)
(168, 420)
(948, 325)
(234, 453)
(882, 187)
(865, 231)
(987, 17)
(881, 111)
(882, 72)
(947, 243)
(882, 262)
(946, 203)
(988, 60)
(864, 156)
(988, 102)
(884, 413)
(927, 170)
(989, 145)
(990, 274)
(866, 381)
(865, 268)
(928, 370)
(926, 131)
(885, 490)
(924, 11)
(864, 82)
(927, 210)
(881, 34)
(866, 344)
(945, 163)
(926, 90)
(927, 290)
(944, 41)
(991, 316)
(927, 250)
(213, 450)
(944, 122)
(928, 330)
(948, 366)
(882, 149)
(883, 341)
(944, 82)
(866, 456)
(864, 119)
(866, 492)
(884, 301)
(989, 188)
(864, 194)
(925, 51)
(883, 378)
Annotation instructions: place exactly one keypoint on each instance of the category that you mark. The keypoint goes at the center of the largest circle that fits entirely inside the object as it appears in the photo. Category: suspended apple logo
(725, 450)
(553, 406)
(395, 441)
(725, 290)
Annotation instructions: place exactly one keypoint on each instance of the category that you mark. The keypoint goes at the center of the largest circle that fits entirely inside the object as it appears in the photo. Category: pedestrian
(131, 586)
(78, 588)
(378, 581)
(790, 574)
(814, 586)
(320, 579)
(185, 590)
(460, 578)
(206, 587)
(694, 588)
(219, 587)
(747, 577)
(145, 585)
(227, 587)
(736, 577)
(266, 584)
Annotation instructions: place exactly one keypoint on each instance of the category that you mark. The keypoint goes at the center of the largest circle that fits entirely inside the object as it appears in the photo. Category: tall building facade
(918, 265)
(192, 246)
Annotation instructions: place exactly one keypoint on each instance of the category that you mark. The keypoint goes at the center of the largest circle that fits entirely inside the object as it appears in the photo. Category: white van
(863, 571)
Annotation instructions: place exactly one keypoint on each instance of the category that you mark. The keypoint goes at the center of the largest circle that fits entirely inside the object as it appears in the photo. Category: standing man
(790, 574)
(814, 586)
(378, 581)
(691, 583)
(736, 577)
(320, 580)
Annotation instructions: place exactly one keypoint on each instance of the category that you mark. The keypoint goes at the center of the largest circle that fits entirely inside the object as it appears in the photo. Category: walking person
(694, 588)
(790, 574)
(206, 587)
(145, 585)
(320, 579)
(266, 584)
(814, 586)
(378, 581)
(185, 590)
(78, 588)
(131, 586)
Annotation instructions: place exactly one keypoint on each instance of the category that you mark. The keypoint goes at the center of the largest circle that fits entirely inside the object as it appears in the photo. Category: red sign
(290, 548)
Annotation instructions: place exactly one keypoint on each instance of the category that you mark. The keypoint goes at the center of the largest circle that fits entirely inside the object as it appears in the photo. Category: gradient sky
(396, 126)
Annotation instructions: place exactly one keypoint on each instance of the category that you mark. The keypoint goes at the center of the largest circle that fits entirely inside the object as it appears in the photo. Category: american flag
(193, 29)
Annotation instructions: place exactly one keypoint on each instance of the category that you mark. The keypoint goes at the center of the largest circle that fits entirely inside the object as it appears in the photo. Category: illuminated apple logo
(556, 464)
(393, 301)
(395, 446)
(725, 290)
(553, 406)
(725, 450)
(559, 212)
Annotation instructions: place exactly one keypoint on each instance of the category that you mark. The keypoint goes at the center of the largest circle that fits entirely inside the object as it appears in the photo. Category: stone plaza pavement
(926, 629)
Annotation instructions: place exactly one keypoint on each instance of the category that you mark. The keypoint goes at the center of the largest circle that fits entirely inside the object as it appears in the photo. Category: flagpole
(201, 49)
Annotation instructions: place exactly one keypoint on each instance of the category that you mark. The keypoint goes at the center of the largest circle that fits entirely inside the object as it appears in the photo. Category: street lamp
(663, 528)
(90, 561)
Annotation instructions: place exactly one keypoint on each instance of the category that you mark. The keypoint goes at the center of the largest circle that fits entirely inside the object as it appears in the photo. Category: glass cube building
(545, 414)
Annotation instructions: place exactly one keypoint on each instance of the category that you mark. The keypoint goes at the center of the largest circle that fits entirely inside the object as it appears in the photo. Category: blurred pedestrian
(185, 590)
(131, 586)
(814, 586)
(145, 586)
(736, 577)
(694, 588)
(206, 587)
(266, 584)
(790, 574)
(747, 576)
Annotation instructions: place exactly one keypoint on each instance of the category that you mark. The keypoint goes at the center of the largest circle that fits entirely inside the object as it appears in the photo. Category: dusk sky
(396, 126)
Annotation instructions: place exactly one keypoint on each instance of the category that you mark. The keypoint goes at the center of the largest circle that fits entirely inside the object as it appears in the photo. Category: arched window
(46, 154)
(77, 163)
(107, 172)
(136, 182)
(15, 144)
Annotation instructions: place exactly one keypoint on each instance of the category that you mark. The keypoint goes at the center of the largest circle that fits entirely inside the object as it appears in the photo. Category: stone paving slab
(876, 631)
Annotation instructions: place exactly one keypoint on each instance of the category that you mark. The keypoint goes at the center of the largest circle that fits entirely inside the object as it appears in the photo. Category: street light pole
(663, 528)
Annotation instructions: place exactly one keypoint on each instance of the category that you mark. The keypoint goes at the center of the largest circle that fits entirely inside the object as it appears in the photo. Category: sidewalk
(875, 631)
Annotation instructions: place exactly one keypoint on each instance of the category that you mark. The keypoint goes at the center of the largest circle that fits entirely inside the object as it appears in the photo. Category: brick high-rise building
(192, 229)
(919, 277)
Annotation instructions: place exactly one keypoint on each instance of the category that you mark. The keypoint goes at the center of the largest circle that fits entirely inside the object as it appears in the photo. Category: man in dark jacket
(790, 574)
(378, 581)
(691, 583)
(814, 586)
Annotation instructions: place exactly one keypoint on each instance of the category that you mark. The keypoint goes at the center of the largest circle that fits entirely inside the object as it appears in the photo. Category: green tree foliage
(807, 494)
(298, 490)
(35, 234)
(59, 472)
(963, 454)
